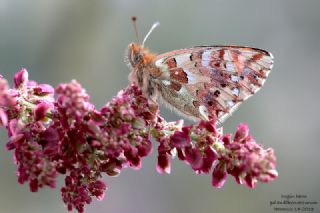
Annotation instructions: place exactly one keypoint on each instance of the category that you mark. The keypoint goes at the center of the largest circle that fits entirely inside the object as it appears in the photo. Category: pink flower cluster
(65, 134)
(205, 149)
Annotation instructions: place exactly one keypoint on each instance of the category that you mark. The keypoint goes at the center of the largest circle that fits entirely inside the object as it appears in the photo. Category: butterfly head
(137, 53)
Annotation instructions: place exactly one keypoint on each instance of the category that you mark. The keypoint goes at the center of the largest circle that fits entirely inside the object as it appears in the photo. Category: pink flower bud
(180, 139)
(209, 126)
(210, 157)
(21, 78)
(242, 132)
(33, 185)
(98, 189)
(133, 158)
(145, 148)
(226, 139)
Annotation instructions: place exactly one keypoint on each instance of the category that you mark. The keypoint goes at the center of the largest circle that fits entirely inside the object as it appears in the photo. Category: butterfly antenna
(156, 24)
(134, 22)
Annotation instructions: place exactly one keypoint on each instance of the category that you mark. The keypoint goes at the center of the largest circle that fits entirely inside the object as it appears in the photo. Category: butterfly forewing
(211, 81)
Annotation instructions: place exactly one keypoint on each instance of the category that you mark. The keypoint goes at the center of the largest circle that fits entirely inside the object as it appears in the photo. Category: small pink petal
(181, 154)
(3, 118)
(219, 175)
(250, 182)
(164, 164)
(41, 110)
(34, 185)
(43, 89)
(194, 157)
(210, 157)
(14, 141)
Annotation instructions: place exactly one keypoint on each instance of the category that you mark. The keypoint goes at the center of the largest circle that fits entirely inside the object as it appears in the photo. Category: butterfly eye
(135, 58)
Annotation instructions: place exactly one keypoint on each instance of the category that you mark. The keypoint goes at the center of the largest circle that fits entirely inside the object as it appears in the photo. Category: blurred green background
(60, 40)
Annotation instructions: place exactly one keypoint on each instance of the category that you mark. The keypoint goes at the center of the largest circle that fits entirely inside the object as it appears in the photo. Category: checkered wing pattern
(209, 82)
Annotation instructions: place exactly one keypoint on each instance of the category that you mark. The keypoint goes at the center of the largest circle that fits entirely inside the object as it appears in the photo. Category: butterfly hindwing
(211, 81)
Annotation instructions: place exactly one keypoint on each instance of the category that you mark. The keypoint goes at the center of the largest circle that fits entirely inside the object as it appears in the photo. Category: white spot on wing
(226, 56)
(162, 66)
(220, 114)
(235, 91)
(230, 67)
(246, 71)
(267, 59)
(246, 97)
(159, 62)
(181, 59)
(203, 112)
(183, 91)
(262, 81)
(192, 78)
(206, 58)
(230, 104)
(166, 82)
(234, 78)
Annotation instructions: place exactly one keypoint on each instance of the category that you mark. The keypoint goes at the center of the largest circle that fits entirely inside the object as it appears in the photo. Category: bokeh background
(62, 40)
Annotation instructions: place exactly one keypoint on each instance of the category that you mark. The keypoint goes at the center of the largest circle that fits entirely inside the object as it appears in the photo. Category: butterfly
(202, 82)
